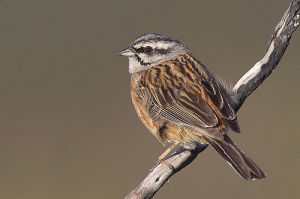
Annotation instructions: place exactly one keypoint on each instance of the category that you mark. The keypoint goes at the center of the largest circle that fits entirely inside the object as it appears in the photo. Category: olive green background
(68, 129)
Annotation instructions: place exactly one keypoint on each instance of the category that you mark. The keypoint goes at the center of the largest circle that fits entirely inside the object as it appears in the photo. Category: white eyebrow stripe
(156, 45)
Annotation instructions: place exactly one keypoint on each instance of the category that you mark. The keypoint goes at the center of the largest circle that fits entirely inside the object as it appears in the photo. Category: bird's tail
(236, 158)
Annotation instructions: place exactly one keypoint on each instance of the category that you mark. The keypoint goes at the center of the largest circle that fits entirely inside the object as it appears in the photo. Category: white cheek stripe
(150, 59)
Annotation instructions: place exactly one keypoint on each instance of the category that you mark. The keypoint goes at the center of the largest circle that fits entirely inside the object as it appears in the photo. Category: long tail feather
(236, 158)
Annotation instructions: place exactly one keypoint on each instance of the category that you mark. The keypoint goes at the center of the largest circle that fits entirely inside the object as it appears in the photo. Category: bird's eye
(148, 50)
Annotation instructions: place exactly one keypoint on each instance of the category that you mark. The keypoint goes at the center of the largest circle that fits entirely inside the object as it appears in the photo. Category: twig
(243, 88)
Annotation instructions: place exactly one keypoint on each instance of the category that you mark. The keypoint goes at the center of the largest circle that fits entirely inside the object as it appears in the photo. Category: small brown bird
(181, 102)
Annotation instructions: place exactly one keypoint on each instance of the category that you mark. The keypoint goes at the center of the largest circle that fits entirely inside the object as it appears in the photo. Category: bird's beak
(127, 52)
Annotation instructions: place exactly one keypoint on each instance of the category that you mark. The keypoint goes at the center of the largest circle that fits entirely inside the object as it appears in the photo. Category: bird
(181, 102)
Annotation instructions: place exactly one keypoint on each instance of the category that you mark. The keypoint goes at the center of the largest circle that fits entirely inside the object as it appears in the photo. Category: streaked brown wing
(183, 92)
(186, 113)
(217, 95)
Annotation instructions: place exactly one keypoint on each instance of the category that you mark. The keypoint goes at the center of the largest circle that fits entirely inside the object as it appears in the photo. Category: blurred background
(68, 129)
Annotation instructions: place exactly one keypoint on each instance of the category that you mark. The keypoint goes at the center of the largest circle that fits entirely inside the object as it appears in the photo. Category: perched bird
(181, 102)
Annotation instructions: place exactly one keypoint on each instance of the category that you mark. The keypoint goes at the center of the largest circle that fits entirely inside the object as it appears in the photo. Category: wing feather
(197, 102)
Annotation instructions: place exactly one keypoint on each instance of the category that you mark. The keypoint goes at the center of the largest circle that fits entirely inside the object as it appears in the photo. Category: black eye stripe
(139, 50)
(148, 50)
(163, 51)
(155, 50)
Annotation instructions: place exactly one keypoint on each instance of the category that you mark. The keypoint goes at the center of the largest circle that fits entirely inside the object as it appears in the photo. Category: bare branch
(263, 68)
(243, 88)
(160, 174)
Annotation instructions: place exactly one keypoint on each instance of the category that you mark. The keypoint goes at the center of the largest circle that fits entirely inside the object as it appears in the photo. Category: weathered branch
(161, 173)
(263, 68)
(243, 88)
